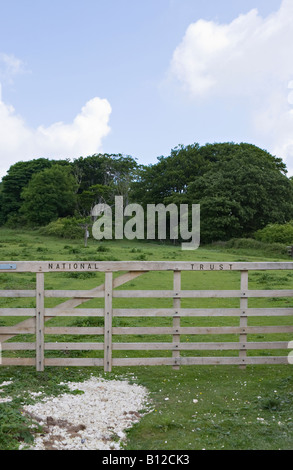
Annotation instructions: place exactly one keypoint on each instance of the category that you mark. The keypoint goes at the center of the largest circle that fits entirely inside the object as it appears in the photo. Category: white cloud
(10, 66)
(82, 137)
(240, 57)
(250, 58)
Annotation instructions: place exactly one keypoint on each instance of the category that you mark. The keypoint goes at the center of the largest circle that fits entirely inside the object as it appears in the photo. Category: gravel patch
(94, 418)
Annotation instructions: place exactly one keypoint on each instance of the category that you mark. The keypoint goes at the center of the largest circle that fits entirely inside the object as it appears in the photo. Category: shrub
(64, 228)
(276, 233)
(102, 249)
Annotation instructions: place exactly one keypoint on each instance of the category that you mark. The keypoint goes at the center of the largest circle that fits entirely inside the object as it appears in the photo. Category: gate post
(243, 315)
(40, 324)
(108, 322)
(176, 317)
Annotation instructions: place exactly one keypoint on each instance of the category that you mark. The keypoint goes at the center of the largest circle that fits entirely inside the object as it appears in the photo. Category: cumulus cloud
(82, 137)
(250, 57)
(247, 54)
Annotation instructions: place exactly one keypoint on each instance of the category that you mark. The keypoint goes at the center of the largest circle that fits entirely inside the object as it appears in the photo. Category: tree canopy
(240, 187)
(17, 178)
(49, 195)
(41, 190)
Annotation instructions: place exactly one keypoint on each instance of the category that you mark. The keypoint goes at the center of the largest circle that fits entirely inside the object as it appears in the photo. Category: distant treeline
(240, 188)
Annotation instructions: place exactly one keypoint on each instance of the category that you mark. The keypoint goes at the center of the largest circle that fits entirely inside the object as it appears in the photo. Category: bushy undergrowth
(69, 227)
(276, 233)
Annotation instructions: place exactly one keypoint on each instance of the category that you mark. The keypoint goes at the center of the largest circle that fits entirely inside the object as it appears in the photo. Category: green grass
(195, 407)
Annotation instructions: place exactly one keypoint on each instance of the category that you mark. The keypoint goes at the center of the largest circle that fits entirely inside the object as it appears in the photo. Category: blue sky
(140, 77)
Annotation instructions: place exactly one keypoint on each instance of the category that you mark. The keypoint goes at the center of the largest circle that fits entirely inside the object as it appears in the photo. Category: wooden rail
(174, 343)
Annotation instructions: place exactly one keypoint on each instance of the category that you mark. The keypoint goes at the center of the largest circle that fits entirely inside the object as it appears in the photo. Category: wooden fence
(115, 275)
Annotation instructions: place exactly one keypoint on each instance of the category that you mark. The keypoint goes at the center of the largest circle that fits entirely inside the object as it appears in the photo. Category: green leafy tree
(49, 195)
(169, 177)
(100, 177)
(240, 187)
(96, 194)
(13, 183)
(243, 191)
(16, 179)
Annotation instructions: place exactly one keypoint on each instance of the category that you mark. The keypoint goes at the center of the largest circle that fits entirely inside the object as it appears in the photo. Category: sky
(140, 77)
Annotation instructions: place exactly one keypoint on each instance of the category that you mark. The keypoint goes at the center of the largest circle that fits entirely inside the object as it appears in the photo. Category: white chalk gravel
(95, 417)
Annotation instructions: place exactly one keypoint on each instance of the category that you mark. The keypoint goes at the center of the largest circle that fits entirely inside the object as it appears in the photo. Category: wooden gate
(176, 335)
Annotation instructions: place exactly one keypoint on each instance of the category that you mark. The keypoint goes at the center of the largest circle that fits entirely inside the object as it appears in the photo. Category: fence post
(40, 324)
(243, 315)
(108, 322)
(176, 317)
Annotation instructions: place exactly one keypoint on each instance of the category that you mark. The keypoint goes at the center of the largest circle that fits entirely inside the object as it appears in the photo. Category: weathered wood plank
(74, 346)
(249, 360)
(182, 346)
(115, 266)
(176, 295)
(72, 330)
(17, 312)
(202, 293)
(17, 293)
(243, 317)
(269, 293)
(18, 361)
(18, 346)
(16, 330)
(198, 361)
(72, 362)
(145, 361)
(201, 312)
(74, 312)
(40, 323)
(209, 346)
(77, 294)
(108, 322)
(190, 330)
(97, 362)
(176, 317)
(150, 312)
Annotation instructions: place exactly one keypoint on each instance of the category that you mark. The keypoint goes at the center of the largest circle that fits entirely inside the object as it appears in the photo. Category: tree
(240, 187)
(15, 181)
(220, 219)
(100, 177)
(96, 194)
(170, 176)
(244, 190)
(50, 194)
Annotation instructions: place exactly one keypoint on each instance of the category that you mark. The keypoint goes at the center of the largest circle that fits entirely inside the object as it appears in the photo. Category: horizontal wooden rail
(151, 312)
(17, 312)
(141, 266)
(17, 293)
(182, 346)
(201, 293)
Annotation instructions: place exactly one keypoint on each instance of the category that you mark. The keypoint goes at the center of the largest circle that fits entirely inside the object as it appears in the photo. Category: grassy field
(193, 408)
